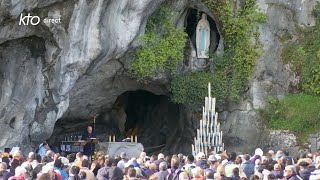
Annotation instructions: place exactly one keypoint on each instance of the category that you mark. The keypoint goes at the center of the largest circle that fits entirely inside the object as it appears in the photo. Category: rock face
(78, 68)
(271, 77)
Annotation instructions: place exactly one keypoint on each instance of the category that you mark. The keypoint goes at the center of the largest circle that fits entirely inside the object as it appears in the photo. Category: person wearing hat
(304, 171)
(202, 162)
(122, 163)
(290, 173)
(213, 163)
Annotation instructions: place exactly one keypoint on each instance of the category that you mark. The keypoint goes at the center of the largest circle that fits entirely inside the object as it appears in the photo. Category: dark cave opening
(144, 115)
(193, 17)
(138, 113)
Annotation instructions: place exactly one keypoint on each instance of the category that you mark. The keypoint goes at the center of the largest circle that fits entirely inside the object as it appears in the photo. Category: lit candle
(214, 105)
(109, 138)
(114, 138)
(131, 138)
(206, 104)
(203, 113)
(136, 139)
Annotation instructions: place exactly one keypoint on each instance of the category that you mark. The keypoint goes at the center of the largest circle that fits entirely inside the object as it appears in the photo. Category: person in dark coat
(3, 170)
(88, 149)
(247, 166)
(304, 171)
(110, 171)
(163, 171)
(277, 171)
(290, 173)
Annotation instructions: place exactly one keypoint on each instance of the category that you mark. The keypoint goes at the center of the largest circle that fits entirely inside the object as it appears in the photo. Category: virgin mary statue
(203, 37)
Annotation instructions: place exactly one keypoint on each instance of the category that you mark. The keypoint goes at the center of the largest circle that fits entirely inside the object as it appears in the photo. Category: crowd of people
(222, 165)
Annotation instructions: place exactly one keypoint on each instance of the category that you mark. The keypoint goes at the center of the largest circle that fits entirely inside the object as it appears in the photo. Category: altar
(113, 149)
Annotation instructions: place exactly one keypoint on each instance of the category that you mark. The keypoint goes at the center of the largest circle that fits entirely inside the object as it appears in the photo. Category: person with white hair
(122, 163)
(163, 171)
(159, 160)
(20, 173)
(184, 176)
(3, 170)
(143, 156)
(290, 173)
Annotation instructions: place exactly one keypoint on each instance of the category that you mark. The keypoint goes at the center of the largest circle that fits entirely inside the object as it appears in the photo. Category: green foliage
(304, 55)
(232, 69)
(193, 86)
(297, 113)
(163, 46)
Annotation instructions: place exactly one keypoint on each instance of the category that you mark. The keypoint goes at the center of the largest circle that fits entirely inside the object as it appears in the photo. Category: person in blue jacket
(89, 148)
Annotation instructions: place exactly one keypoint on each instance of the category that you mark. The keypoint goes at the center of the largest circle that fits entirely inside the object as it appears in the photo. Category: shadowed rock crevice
(158, 123)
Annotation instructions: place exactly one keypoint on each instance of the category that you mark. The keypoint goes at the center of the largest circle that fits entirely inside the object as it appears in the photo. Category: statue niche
(203, 37)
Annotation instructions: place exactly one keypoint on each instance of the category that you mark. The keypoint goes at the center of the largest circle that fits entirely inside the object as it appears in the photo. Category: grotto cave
(154, 119)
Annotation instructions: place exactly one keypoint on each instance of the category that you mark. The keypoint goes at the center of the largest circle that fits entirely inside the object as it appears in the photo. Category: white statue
(203, 37)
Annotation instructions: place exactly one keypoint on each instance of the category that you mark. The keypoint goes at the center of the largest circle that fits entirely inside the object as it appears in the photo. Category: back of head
(190, 158)
(175, 162)
(132, 173)
(45, 176)
(44, 159)
(15, 163)
(161, 156)
(246, 157)
(232, 156)
(79, 155)
(254, 177)
(235, 171)
(152, 166)
(3, 166)
(184, 176)
(277, 167)
(38, 158)
(209, 175)
(56, 156)
(85, 163)
(83, 175)
(50, 154)
(271, 177)
(74, 170)
(31, 156)
(108, 162)
(58, 163)
(291, 168)
(20, 171)
(163, 166)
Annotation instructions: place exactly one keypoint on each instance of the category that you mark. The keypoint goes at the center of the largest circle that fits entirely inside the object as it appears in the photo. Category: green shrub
(304, 55)
(163, 46)
(232, 69)
(297, 113)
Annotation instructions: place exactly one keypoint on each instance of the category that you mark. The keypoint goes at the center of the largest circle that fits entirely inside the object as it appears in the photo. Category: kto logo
(24, 20)
(35, 20)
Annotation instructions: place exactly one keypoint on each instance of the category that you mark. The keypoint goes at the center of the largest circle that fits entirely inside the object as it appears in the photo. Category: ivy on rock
(162, 46)
(233, 68)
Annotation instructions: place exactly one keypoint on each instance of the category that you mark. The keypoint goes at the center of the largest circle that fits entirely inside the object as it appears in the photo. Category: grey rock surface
(79, 67)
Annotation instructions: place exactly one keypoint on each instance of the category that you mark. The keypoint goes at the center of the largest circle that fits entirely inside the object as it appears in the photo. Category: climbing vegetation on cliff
(162, 46)
(297, 113)
(304, 55)
(233, 68)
